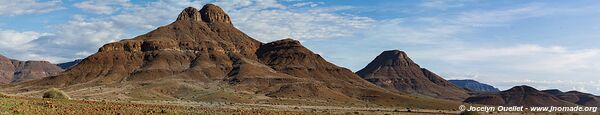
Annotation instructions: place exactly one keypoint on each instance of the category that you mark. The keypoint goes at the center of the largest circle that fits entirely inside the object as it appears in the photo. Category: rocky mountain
(395, 71)
(15, 71)
(576, 97)
(473, 85)
(519, 96)
(70, 64)
(203, 57)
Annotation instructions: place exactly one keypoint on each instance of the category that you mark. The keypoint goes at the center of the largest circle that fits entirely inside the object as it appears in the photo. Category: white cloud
(75, 39)
(19, 7)
(103, 6)
(442, 29)
(483, 18)
(268, 25)
(151, 15)
(17, 41)
(530, 58)
(14, 44)
(311, 4)
(265, 20)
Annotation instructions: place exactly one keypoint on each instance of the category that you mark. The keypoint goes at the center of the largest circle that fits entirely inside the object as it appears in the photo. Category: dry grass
(24, 105)
(27, 105)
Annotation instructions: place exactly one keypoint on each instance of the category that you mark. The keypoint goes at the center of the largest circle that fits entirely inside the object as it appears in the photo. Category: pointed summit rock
(519, 96)
(395, 71)
(214, 14)
(189, 13)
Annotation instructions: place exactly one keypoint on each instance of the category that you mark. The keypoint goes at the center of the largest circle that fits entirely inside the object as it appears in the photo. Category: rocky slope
(15, 71)
(6, 70)
(203, 57)
(519, 96)
(395, 71)
(474, 86)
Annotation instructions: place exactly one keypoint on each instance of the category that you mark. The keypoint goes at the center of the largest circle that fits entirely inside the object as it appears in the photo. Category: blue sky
(545, 44)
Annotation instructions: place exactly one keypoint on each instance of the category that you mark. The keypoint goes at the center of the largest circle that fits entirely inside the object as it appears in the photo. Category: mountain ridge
(15, 71)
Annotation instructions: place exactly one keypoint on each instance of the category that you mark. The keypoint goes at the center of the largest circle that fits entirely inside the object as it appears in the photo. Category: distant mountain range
(473, 85)
(70, 64)
(15, 71)
(529, 96)
(576, 97)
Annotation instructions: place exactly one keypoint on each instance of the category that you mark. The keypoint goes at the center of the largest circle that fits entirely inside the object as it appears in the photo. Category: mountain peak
(212, 13)
(392, 58)
(189, 13)
(209, 13)
(522, 88)
(394, 70)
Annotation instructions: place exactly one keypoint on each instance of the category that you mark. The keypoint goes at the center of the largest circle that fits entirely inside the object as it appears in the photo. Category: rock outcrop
(395, 71)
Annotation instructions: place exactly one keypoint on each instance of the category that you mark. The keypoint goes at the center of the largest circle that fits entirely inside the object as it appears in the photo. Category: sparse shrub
(54, 93)
(2, 95)
(469, 113)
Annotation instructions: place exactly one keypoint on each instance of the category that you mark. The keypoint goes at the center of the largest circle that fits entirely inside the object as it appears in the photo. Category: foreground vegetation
(29, 105)
(26, 105)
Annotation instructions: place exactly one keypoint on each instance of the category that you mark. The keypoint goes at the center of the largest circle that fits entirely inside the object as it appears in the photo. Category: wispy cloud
(443, 4)
(483, 18)
(103, 6)
(266, 20)
(19, 7)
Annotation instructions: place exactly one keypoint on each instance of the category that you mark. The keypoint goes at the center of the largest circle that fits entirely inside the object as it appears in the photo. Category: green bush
(54, 93)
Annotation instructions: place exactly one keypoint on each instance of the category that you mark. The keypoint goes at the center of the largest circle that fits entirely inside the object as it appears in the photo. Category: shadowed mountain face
(395, 71)
(519, 96)
(14, 71)
(473, 85)
(576, 97)
(183, 60)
